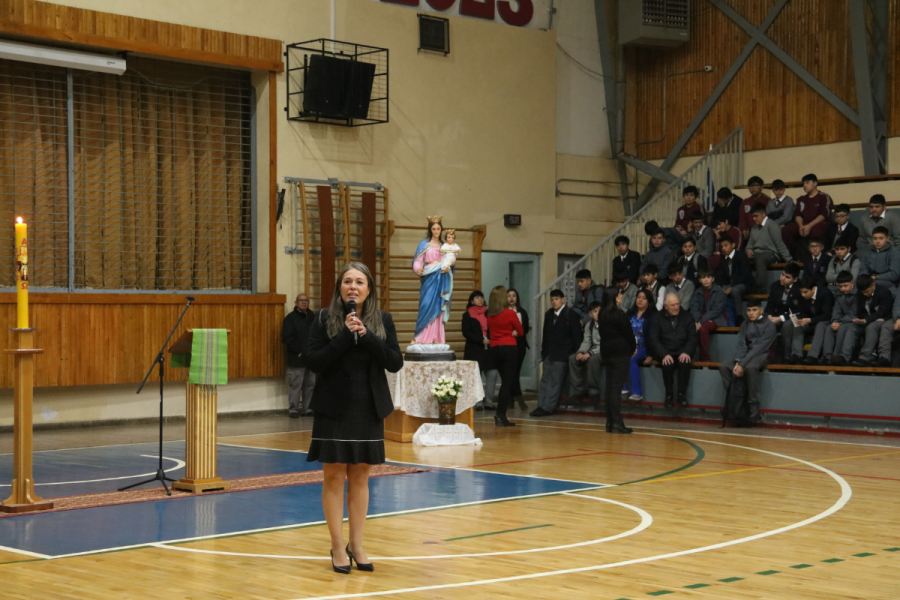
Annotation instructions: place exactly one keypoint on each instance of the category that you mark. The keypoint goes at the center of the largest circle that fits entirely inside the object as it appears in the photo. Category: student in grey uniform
(765, 245)
(829, 334)
(754, 340)
(878, 216)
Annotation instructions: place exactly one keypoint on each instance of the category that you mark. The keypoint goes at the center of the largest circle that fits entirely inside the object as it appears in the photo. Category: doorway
(522, 271)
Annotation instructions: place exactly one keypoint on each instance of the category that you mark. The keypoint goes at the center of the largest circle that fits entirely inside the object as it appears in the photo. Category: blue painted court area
(106, 469)
(108, 527)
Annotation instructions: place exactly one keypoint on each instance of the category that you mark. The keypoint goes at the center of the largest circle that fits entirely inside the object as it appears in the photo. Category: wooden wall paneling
(368, 224)
(47, 21)
(893, 109)
(327, 244)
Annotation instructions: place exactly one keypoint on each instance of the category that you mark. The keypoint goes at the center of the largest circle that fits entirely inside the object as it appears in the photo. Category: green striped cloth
(208, 360)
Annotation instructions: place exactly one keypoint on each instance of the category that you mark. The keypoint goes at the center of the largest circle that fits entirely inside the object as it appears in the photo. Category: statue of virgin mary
(437, 287)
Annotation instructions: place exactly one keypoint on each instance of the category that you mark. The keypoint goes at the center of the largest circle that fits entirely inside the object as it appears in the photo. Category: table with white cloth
(413, 403)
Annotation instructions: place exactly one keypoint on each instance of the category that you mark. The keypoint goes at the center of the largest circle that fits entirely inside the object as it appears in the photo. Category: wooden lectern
(201, 409)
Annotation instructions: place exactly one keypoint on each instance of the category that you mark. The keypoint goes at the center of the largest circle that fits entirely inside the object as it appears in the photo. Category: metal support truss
(870, 69)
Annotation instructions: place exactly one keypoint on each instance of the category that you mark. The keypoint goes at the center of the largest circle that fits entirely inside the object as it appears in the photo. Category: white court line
(24, 552)
(646, 521)
(314, 523)
(846, 493)
(179, 464)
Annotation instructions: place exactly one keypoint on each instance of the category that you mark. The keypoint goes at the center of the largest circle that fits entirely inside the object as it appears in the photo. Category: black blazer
(526, 327)
(818, 310)
(693, 267)
(818, 276)
(851, 233)
(295, 336)
(882, 304)
(329, 360)
(671, 335)
(740, 271)
(774, 305)
(475, 349)
(616, 336)
(561, 340)
(630, 265)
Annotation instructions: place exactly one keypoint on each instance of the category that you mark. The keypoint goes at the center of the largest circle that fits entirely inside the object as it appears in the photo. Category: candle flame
(19, 220)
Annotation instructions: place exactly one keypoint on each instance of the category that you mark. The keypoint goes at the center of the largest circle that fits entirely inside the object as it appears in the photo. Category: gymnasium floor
(551, 508)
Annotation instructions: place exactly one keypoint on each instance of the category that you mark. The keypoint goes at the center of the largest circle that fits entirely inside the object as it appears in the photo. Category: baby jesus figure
(449, 250)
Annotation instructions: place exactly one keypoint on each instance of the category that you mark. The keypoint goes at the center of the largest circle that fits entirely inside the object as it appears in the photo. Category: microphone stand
(161, 361)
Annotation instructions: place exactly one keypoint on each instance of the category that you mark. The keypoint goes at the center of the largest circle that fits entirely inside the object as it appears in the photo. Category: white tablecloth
(432, 434)
(411, 386)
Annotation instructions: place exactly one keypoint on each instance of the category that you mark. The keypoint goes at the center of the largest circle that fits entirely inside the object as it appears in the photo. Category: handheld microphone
(190, 298)
(351, 304)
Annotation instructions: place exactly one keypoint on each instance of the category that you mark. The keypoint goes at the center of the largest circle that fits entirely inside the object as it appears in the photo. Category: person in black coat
(626, 261)
(295, 337)
(475, 330)
(512, 297)
(562, 335)
(672, 341)
(350, 350)
(814, 306)
(617, 346)
(841, 226)
(815, 263)
(782, 293)
(735, 276)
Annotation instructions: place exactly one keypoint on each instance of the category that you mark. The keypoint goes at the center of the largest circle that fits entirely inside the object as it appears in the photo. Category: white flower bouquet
(446, 389)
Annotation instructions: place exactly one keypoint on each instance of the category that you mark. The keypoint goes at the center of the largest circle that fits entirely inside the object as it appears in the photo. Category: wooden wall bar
(48, 21)
(776, 108)
(113, 338)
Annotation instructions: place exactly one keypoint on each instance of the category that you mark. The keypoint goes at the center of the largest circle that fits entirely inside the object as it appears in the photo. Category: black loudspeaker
(337, 88)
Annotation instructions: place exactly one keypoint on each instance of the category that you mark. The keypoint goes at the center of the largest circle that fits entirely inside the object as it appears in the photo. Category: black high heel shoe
(502, 421)
(341, 570)
(359, 566)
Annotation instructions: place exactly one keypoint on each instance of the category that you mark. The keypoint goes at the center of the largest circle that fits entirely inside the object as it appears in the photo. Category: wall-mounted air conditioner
(660, 23)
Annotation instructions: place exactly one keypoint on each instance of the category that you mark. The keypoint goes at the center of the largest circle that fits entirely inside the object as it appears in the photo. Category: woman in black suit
(617, 346)
(349, 352)
(512, 298)
(475, 330)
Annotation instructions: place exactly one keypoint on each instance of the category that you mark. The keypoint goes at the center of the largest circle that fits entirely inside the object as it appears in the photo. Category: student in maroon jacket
(686, 210)
(504, 328)
(811, 216)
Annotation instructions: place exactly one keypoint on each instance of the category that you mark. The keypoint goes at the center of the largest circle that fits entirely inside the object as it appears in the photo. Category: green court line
(892, 549)
(697, 586)
(833, 560)
(701, 454)
(768, 572)
(864, 554)
(660, 593)
(800, 566)
(466, 537)
(731, 579)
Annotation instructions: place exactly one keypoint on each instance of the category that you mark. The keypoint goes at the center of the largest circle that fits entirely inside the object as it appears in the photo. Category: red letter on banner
(440, 4)
(482, 10)
(403, 2)
(520, 18)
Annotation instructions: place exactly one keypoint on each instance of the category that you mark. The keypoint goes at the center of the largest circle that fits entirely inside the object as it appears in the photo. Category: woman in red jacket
(504, 328)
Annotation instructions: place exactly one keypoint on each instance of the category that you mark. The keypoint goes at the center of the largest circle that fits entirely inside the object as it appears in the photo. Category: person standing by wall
(617, 346)
(475, 330)
(295, 337)
(512, 296)
(504, 328)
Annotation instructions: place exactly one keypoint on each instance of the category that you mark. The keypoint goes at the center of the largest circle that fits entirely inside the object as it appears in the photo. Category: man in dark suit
(735, 276)
(781, 294)
(814, 306)
(691, 262)
(874, 306)
(815, 265)
(672, 340)
(561, 338)
(295, 337)
(841, 226)
(627, 261)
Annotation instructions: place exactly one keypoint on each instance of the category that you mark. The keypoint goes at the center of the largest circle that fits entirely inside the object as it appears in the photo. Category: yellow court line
(768, 467)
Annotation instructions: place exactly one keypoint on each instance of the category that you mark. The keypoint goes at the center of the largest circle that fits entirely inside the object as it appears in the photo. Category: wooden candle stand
(23, 498)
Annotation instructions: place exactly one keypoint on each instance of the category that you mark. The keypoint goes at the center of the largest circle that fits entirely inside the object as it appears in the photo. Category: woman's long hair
(497, 303)
(430, 236)
(368, 313)
(518, 300)
(608, 305)
(472, 296)
(651, 305)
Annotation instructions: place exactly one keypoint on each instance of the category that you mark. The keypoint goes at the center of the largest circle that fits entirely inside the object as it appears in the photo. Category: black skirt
(357, 435)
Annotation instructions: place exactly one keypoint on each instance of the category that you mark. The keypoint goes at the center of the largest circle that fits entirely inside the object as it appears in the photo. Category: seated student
(585, 366)
(560, 339)
(812, 215)
(841, 261)
(841, 227)
(878, 217)
(722, 228)
(814, 306)
(685, 212)
(627, 290)
(816, 262)
(627, 260)
(874, 306)
(755, 185)
(890, 330)
(680, 286)
(829, 334)
(660, 255)
(882, 261)
(735, 278)
(765, 245)
(672, 238)
(652, 285)
(587, 292)
(672, 341)
(781, 208)
(640, 317)
(727, 207)
(708, 310)
(782, 295)
(690, 262)
(704, 236)
(754, 340)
